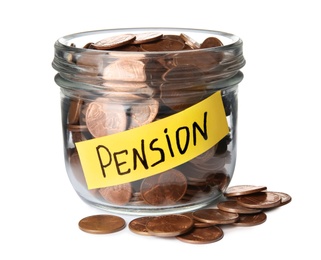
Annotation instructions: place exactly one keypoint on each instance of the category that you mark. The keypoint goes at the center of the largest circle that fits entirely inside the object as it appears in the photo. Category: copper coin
(251, 219)
(196, 222)
(179, 99)
(138, 225)
(101, 224)
(204, 157)
(74, 110)
(143, 112)
(147, 37)
(215, 216)
(203, 235)
(105, 118)
(260, 200)
(76, 168)
(165, 188)
(88, 45)
(77, 128)
(169, 225)
(190, 41)
(239, 190)
(130, 47)
(117, 194)
(164, 44)
(124, 92)
(185, 71)
(211, 42)
(151, 192)
(174, 185)
(125, 70)
(78, 137)
(114, 41)
(173, 37)
(285, 198)
(234, 207)
(219, 179)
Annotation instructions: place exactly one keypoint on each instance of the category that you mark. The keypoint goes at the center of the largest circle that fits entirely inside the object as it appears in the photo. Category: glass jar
(149, 116)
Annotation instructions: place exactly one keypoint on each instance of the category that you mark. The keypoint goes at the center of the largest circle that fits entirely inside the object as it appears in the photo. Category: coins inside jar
(136, 91)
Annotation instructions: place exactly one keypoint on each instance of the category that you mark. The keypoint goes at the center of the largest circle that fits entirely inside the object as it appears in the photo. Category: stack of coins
(245, 205)
(138, 92)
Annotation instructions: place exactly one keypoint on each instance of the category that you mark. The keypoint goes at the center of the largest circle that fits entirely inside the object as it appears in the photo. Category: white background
(278, 131)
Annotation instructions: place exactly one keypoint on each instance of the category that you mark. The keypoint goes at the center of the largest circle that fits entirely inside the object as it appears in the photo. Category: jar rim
(67, 40)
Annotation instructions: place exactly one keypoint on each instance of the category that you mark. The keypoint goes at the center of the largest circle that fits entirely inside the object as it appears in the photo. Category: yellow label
(153, 148)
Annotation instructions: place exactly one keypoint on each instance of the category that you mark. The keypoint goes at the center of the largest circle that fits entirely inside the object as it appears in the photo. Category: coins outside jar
(202, 226)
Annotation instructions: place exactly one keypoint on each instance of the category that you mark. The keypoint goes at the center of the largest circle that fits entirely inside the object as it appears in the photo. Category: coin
(114, 41)
(118, 194)
(147, 37)
(219, 179)
(190, 41)
(102, 224)
(125, 70)
(105, 118)
(186, 71)
(88, 45)
(205, 156)
(76, 168)
(165, 44)
(234, 207)
(177, 99)
(165, 188)
(129, 47)
(196, 222)
(127, 93)
(151, 192)
(251, 219)
(285, 198)
(169, 225)
(173, 37)
(143, 112)
(239, 190)
(138, 225)
(211, 42)
(78, 136)
(77, 128)
(260, 200)
(174, 184)
(215, 216)
(74, 110)
(202, 235)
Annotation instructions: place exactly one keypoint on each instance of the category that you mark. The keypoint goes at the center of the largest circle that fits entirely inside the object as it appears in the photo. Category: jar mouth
(82, 38)
(78, 64)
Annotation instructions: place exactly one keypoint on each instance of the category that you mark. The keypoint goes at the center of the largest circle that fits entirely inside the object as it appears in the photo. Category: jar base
(154, 211)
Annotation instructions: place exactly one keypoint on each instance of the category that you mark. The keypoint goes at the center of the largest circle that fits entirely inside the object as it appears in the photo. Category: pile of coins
(245, 205)
(137, 92)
